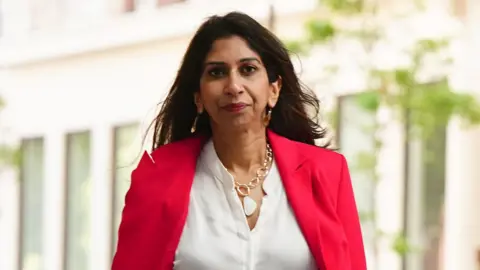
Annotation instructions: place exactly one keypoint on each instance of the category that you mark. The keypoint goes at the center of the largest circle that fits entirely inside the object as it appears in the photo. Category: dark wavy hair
(290, 116)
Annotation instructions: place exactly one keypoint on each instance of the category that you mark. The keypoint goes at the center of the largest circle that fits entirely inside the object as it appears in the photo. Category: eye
(249, 69)
(217, 72)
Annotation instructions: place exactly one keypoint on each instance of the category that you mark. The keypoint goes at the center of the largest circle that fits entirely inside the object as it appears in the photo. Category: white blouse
(216, 235)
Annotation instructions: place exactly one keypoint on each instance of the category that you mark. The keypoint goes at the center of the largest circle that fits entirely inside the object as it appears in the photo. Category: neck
(240, 151)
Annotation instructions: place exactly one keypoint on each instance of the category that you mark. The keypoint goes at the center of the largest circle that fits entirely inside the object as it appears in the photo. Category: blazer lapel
(299, 193)
(175, 173)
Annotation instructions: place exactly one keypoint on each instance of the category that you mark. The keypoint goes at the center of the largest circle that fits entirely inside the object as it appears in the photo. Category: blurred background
(80, 81)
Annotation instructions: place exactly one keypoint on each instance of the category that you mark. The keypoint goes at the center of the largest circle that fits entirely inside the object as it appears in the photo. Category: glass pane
(356, 141)
(78, 201)
(433, 196)
(32, 169)
(127, 152)
(425, 197)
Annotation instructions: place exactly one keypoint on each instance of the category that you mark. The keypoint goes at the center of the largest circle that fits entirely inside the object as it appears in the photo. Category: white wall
(462, 224)
(80, 36)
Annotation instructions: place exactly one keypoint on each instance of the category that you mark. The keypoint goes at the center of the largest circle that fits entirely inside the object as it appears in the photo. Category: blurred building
(82, 80)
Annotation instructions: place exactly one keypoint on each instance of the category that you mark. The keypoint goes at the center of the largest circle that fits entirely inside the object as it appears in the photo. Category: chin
(236, 125)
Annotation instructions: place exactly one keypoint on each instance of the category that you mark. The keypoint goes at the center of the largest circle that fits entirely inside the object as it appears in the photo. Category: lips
(234, 107)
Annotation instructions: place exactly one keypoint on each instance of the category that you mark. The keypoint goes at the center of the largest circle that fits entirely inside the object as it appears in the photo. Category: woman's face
(234, 86)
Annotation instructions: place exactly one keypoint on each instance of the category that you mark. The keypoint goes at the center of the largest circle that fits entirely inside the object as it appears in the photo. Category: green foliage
(365, 161)
(466, 106)
(347, 7)
(433, 105)
(9, 156)
(430, 45)
(369, 100)
(428, 103)
(298, 47)
(320, 31)
(366, 216)
(401, 245)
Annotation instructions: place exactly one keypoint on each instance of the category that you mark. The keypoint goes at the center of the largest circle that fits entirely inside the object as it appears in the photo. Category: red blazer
(316, 181)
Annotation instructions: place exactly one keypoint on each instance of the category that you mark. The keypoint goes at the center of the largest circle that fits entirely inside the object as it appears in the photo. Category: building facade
(82, 81)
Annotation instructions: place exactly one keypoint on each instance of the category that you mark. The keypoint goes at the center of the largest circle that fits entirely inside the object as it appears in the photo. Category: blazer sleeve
(132, 249)
(348, 215)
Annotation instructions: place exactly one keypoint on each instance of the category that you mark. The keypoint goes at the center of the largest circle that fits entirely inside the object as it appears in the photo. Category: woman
(235, 180)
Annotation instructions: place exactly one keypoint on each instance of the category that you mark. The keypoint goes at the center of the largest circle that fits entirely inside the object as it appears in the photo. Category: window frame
(66, 170)
(113, 178)
(21, 198)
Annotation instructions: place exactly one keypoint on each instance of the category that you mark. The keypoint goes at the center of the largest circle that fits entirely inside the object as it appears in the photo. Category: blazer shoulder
(328, 168)
(186, 146)
(327, 165)
(319, 155)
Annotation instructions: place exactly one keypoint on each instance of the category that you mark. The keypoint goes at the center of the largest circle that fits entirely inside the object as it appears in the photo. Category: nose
(233, 86)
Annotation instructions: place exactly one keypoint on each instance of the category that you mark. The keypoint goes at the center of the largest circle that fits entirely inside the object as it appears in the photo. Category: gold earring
(268, 117)
(194, 126)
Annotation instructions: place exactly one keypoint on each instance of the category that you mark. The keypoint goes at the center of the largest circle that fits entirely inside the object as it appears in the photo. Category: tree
(415, 85)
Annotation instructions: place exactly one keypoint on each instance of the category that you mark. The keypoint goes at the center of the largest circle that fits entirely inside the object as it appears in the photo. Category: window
(356, 141)
(78, 215)
(433, 162)
(32, 195)
(127, 142)
(426, 189)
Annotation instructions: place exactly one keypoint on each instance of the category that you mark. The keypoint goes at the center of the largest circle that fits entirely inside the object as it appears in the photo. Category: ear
(198, 102)
(275, 88)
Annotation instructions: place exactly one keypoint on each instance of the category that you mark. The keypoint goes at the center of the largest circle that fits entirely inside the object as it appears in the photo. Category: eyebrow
(243, 60)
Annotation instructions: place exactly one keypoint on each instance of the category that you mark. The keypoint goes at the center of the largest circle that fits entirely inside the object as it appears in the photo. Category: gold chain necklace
(249, 204)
